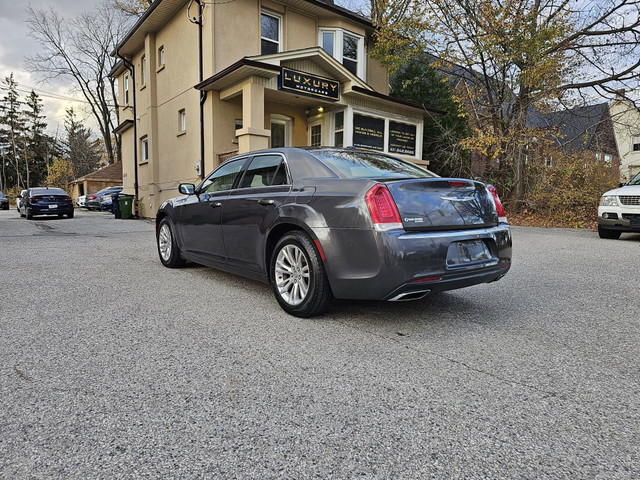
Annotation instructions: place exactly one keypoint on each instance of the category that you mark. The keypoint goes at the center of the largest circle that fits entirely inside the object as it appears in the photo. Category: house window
(143, 67)
(182, 121)
(607, 159)
(126, 89)
(338, 129)
(270, 33)
(316, 135)
(144, 149)
(161, 56)
(636, 144)
(345, 47)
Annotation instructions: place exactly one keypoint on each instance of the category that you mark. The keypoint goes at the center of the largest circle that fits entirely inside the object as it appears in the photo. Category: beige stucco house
(198, 83)
(626, 124)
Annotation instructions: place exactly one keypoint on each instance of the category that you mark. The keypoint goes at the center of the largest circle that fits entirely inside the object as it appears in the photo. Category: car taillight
(502, 217)
(34, 199)
(66, 198)
(382, 208)
(90, 197)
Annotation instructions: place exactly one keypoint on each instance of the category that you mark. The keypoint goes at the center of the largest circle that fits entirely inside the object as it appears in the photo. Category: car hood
(626, 190)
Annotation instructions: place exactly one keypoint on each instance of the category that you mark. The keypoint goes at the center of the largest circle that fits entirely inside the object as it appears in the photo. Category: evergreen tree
(36, 148)
(83, 152)
(12, 130)
(420, 83)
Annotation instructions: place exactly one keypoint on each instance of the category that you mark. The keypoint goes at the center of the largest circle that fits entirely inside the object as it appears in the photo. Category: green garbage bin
(126, 206)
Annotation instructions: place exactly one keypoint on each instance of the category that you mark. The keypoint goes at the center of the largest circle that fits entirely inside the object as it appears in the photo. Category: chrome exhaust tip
(408, 296)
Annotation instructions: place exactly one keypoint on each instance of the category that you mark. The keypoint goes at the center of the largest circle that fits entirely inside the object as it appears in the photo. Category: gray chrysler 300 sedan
(345, 223)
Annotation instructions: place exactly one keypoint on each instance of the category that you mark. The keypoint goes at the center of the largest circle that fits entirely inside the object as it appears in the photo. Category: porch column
(252, 135)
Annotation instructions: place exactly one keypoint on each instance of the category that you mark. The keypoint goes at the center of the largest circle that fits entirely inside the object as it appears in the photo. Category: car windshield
(359, 164)
(47, 191)
(635, 180)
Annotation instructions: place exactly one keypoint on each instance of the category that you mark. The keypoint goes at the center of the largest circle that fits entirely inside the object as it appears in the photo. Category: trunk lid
(443, 204)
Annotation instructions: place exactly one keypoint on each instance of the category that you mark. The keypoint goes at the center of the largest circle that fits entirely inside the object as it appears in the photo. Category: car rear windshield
(47, 191)
(358, 164)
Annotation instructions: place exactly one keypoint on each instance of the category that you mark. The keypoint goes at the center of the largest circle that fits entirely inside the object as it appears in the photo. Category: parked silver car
(619, 210)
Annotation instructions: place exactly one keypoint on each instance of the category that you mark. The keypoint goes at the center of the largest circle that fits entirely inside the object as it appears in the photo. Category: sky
(16, 44)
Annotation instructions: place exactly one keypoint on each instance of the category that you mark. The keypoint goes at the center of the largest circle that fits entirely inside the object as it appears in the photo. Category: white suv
(619, 210)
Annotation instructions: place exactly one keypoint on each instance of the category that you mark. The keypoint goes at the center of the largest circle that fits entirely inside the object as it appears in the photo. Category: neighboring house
(274, 73)
(95, 181)
(626, 124)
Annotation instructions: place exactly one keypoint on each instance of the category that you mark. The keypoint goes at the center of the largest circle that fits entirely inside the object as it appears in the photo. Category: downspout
(131, 68)
(203, 95)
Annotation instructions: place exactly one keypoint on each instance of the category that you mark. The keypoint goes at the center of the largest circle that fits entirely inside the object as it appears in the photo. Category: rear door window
(265, 171)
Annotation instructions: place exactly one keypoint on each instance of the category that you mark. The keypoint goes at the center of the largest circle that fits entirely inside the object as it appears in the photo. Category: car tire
(609, 234)
(298, 277)
(70, 215)
(28, 215)
(167, 248)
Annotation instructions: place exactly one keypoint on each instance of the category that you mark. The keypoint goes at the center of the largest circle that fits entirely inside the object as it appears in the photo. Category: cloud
(17, 44)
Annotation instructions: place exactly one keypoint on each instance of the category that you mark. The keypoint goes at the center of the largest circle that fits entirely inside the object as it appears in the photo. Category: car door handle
(215, 204)
(266, 202)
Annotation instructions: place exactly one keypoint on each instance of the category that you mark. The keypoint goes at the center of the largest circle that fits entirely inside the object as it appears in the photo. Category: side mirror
(18, 197)
(187, 188)
(620, 185)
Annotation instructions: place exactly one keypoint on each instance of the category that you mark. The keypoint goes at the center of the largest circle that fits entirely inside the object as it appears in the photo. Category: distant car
(46, 201)
(619, 210)
(106, 203)
(93, 199)
(81, 201)
(4, 202)
(344, 223)
(19, 199)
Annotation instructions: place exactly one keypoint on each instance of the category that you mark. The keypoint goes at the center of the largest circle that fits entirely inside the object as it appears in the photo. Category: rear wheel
(28, 215)
(609, 234)
(298, 277)
(70, 215)
(167, 248)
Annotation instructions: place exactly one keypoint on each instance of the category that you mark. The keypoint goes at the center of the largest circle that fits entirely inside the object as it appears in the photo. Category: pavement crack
(460, 363)
(21, 374)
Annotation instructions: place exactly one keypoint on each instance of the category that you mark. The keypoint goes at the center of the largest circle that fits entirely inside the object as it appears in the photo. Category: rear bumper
(370, 265)
(45, 210)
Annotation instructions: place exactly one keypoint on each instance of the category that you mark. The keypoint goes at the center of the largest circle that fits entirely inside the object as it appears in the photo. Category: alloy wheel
(292, 274)
(165, 243)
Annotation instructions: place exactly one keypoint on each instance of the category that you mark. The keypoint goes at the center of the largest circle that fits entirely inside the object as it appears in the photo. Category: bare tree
(517, 55)
(79, 49)
(133, 7)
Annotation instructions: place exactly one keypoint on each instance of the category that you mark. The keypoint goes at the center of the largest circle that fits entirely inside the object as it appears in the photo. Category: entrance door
(280, 131)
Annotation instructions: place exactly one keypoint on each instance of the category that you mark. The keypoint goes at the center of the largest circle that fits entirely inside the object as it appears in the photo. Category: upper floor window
(182, 121)
(635, 144)
(144, 149)
(143, 67)
(126, 89)
(161, 56)
(345, 47)
(271, 33)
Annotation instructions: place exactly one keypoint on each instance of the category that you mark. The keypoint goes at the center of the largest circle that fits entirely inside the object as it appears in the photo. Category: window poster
(368, 132)
(402, 138)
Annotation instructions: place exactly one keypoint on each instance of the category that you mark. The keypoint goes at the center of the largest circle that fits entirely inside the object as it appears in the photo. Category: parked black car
(4, 202)
(352, 224)
(46, 201)
(93, 199)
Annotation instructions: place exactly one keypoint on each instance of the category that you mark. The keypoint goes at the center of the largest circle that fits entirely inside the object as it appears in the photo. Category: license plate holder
(634, 222)
(53, 207)
(467, 252)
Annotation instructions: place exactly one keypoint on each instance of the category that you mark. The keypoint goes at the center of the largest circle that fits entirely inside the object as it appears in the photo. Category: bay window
(346, 47)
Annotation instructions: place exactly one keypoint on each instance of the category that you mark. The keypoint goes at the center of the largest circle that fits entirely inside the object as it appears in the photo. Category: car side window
(264, 171)
(223, 178)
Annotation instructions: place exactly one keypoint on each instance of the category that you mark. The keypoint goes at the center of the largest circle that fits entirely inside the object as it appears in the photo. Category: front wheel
(298, 277)
(608, 234)
(167, 248)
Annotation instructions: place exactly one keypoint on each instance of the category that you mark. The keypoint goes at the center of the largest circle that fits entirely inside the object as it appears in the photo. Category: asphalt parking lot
(112, 366)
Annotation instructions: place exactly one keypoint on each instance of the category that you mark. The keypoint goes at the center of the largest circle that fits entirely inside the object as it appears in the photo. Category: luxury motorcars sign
(402, 138)
(368, 132)
(308, 84)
